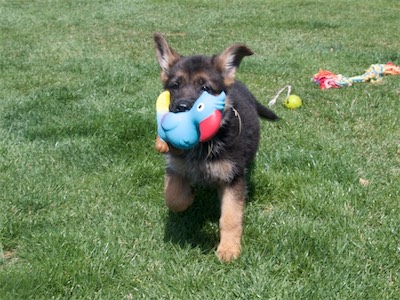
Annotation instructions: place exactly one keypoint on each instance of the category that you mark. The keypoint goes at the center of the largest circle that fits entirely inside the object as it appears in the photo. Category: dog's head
(187, 77)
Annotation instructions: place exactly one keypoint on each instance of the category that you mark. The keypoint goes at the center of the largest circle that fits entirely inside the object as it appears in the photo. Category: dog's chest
(202, 171)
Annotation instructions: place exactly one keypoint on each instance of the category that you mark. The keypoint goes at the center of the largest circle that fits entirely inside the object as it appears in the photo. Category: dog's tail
(266, 113)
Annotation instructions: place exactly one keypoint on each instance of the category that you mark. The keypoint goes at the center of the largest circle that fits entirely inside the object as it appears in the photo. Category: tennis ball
(293, 101)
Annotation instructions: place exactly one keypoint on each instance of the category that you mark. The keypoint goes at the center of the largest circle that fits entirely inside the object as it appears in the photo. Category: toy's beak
(210, 126)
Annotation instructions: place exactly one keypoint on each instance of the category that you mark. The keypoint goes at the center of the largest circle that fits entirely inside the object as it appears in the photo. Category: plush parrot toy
(184, 130)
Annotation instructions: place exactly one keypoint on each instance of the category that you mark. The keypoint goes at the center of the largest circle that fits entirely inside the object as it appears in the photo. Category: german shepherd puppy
(222, 161)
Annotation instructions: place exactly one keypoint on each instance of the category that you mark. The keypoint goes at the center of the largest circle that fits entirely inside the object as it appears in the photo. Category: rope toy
(289, 90)
(374, 73)
(184, 130)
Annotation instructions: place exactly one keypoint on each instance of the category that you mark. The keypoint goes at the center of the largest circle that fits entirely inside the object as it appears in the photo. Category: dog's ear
(166, 56)
(229, 60)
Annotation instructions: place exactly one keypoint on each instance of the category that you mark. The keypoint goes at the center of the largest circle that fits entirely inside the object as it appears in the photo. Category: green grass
(81, 205)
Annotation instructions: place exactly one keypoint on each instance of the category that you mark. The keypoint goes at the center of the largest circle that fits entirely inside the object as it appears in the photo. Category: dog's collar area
(230, 109)
(237, 115)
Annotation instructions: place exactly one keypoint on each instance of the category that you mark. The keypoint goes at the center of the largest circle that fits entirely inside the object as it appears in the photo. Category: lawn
(82, 214)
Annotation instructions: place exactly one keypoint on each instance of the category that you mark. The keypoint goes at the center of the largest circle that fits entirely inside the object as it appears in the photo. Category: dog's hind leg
(178, 192)
(230, 223)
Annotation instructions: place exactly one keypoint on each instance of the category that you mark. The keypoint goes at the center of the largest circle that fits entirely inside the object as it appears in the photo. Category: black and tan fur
(222, 161)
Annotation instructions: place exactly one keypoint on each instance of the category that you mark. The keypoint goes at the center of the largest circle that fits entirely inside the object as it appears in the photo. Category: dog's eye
(174, 86)
(200, 107)
(205, 88)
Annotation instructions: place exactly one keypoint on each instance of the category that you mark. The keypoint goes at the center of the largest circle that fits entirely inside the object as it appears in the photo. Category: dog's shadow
(197, 227)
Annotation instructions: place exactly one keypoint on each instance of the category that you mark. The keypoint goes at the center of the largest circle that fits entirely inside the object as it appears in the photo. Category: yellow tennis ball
(293, 101)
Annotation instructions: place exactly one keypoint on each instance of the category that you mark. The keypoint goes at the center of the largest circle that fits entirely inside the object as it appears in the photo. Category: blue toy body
(184, 130)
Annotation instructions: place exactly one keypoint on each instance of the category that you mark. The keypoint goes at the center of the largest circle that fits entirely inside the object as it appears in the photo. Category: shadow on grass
(198, 227)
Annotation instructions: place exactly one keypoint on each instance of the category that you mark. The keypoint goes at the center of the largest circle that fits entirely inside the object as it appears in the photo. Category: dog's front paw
(228, 251)
(161, 146)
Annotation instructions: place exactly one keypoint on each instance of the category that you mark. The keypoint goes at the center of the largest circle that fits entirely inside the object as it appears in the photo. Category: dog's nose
(182, 106)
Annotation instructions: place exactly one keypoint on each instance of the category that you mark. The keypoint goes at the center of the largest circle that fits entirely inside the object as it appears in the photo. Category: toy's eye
(200, 107)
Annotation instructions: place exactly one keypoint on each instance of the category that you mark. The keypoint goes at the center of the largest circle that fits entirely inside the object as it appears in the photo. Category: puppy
(223, 160)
